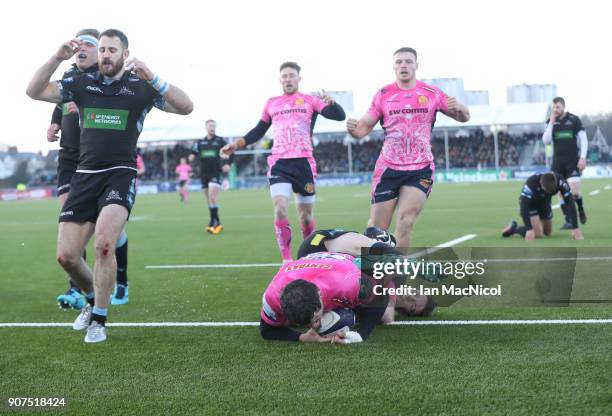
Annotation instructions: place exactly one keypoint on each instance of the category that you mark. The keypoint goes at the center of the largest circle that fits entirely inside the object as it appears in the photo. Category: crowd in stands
(475, 151)
(470, 150)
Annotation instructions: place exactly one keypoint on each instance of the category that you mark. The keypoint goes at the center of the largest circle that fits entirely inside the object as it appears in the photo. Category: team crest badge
(425, 183)
(299, 101)
(422, 100)
(309, 188)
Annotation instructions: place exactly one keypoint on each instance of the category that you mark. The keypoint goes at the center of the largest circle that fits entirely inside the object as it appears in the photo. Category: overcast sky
(225, 54)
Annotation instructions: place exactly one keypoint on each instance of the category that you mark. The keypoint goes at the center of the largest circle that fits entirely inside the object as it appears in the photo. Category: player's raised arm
(251, 137)
(456, 110)
(40, 88)
(362, 127)
(176, 100)
(332, 110)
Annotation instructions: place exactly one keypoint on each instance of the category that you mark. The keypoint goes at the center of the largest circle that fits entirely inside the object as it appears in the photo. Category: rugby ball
(337, 320)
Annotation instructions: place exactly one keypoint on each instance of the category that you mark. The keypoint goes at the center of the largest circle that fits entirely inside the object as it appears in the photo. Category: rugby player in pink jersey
(291, 166)
(323, 280)
(404, 171)
(183, 170)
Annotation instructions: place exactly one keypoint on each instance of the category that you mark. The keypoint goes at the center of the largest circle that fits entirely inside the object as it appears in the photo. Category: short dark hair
(406, 49)
(559, 100)
(548, 182)
(91, 32)
(209, 121)
(427, 310)
(115, 33)
(299, 302)
(290, 64)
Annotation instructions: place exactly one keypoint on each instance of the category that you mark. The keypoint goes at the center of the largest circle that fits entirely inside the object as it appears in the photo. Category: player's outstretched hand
(68, 49)
(139, 68)
(52, 131)
(227, 150)
(577, 234)
(326, 97)
(312, 336)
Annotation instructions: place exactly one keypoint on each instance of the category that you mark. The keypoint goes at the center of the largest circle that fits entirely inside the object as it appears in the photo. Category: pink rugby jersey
(335, 274)
(407, 117)
(183, 172)
(293, 117)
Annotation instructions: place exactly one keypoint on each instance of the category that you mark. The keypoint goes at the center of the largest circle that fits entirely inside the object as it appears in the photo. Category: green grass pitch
(451, 370)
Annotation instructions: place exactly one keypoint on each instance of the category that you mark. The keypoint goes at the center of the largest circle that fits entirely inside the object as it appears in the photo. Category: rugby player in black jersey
(66, 118)
(570, 147)
(212, 168)
(536, 209)
(112, 104)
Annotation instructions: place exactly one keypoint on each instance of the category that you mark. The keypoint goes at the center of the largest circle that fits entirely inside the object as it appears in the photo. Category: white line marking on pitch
(608, 187)
(241, 266)
(546, 259)
(212, 266)
(247, 324)
(595, 192)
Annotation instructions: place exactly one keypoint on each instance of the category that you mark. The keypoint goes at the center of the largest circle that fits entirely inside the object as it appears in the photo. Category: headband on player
(89, 39)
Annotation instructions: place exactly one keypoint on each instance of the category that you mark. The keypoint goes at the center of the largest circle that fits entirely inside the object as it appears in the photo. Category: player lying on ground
(381, 242)
(536, 209)
(321, 281)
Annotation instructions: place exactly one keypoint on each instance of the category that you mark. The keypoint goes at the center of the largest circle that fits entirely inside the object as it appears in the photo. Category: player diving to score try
(329, 275)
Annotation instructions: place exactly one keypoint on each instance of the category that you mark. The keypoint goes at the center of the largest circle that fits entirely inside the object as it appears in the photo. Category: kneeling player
(536, 209)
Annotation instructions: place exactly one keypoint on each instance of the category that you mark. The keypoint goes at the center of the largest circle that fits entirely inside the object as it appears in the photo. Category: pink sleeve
(265, 115)
(139, 162)
(442, 105)
(269, 314)
(375, 111)
(318, 104)
(178, 169)
(189, 169)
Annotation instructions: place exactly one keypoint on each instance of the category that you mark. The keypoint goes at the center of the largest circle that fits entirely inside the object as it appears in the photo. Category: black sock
(214, 215)
(565, 210)
(522, 230)
(122, 262)
(379, 248)
(85, 255)
(579, 203)
(90, 301)
(98, 318)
